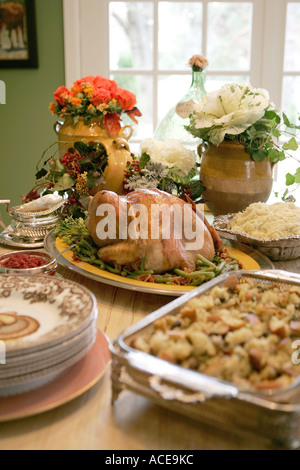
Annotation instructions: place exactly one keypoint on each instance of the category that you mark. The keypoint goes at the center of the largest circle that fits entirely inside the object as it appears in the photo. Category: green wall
(26, 124)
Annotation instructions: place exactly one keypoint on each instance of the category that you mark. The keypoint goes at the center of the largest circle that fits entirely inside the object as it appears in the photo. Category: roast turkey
(113, 225)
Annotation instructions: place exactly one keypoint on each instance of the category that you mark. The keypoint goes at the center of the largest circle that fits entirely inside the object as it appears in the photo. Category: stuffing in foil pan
(242, 332)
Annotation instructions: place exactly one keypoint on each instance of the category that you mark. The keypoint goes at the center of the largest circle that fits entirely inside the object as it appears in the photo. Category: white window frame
(86, 28)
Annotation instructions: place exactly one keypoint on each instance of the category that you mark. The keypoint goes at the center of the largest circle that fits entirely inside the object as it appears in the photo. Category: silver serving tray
(282, 249)
(8, 239)
(272, 416)
(29, 228)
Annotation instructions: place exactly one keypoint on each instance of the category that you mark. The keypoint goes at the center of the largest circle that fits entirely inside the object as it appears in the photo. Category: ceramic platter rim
(74, 307)
(139, 286)
(66, 386)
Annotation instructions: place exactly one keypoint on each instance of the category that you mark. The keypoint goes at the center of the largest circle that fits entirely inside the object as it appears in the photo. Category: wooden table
(133, 423)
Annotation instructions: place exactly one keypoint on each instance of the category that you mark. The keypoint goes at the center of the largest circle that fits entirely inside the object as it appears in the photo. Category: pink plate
(77, 380)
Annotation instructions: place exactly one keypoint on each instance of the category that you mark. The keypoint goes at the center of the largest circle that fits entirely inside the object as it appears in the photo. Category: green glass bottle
(172, 125)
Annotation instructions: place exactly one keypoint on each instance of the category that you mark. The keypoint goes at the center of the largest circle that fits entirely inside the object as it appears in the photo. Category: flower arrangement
(95, 97)
(72, 176)
(167, 166)
(243, 114)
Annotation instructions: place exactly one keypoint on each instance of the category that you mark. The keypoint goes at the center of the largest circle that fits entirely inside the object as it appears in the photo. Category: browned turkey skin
(161, 254)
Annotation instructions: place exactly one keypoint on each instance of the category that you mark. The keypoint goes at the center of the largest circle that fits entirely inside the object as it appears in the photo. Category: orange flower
(100, 96)
(75, 89)
(126, 99)
(109, 85)
(84, 81)
(76, 101)
(52, 108)
(62, 96)
(88, 91)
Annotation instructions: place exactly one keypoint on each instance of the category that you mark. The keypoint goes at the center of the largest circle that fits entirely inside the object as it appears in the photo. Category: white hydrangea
(170, 154)
(230, 110)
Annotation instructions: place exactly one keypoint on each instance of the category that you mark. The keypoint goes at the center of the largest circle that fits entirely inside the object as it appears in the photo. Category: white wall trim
(273, 48)
(72, 40)
(86, 35)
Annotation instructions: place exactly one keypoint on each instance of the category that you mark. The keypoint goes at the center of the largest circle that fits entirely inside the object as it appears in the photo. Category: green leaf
(286, 120)
(40, 174)
(273, 156)
(66, 182)
(297, 178)
(291, 145)
(259, 156)
(144, 160)
(290, 179)
(273, 115)
(197, 190)
(178, 179)
(81, 147)
(276, 133)
(90, 183)
(76, 119)
(55, 166)
(192, 173)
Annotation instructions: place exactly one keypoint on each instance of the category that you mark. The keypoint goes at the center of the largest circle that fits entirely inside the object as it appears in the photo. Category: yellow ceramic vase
(233, 180)
(117, 148)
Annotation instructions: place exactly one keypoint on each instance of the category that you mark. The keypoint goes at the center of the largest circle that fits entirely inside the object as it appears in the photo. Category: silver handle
(7, 203)
(170, 393)
(281, 275)
(200, 386)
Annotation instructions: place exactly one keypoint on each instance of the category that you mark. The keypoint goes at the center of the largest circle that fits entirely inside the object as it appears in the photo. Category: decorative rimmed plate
(39, 312)
(77, 380)
(282, 249)
(250, 258)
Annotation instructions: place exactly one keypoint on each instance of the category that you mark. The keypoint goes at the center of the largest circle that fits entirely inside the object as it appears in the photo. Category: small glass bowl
(48, 268)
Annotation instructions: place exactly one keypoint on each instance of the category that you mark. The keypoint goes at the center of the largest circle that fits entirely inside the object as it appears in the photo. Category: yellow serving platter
(250, 259)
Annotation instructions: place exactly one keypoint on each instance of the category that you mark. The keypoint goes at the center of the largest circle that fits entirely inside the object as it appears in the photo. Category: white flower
(170, 154)
(230, 110)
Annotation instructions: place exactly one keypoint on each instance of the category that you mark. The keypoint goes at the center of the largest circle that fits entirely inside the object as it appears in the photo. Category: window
(145, 45)
(151, 43)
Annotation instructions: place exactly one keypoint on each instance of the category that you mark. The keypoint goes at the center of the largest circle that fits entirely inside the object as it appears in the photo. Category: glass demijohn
(172, 125)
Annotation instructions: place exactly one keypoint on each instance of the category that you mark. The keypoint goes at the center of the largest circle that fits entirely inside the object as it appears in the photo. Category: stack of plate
(47, 325)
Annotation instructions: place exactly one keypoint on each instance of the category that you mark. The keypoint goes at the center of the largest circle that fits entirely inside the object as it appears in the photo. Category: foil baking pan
(272, 416)
(282, 249)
